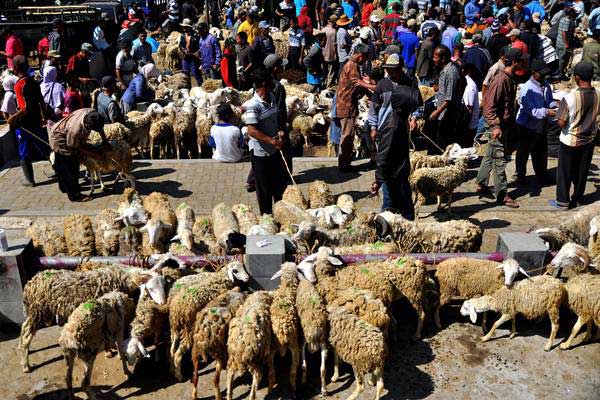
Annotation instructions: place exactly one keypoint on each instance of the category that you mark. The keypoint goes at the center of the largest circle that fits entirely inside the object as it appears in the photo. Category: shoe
(483, 189)
(27, 168)
(555, 204)
(574, 204)
(521, 181)
(250, 188)
(510, 202)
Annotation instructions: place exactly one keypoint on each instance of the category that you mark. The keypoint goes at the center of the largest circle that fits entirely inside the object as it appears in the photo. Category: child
(9, 102)
(226, 139)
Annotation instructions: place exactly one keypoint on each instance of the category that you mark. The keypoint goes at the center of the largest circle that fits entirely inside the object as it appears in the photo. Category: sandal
(509, 202)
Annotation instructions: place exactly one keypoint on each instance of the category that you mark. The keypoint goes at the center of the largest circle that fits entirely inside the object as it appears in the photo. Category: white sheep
(184, 129)
(108, 228)
(594, 243)
(116, 159)
(79, 235)
(47, 240)
(583, 292)
(185, 225)
(574, 228)
(572, 257)
(226, 228)
(305, 125)
(94, 326)
(139, 124)
(131, 209)
(531, 298)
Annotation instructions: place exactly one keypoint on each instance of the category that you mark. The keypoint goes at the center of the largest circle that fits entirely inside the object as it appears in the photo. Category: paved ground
(203, 183)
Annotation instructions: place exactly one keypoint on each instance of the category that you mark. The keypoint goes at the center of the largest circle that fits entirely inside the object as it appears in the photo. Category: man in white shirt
(471, 100)
(226, 139)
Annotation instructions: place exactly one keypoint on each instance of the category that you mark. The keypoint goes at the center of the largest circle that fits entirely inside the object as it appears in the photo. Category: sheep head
(553, 237)
(324, 255)
(346, 203)
(511, 269)
(133, 215)
(162, 259)
(134, 350)
(594, 225)
(319, 119)
(155, 229)
(236, 271)
(570, 254)
(305, 230)
(471, 307)
(155, 287)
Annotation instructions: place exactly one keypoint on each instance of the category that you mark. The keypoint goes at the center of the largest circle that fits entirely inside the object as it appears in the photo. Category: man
(210, 53)
(565, 40)
(68, 139)
(472, 12)
(451, 36)
(352, 11)
(225, 138)
(78, 66)
(28, 119)
(390, 23)
(498, 66)
(314, 63)
(263, 44)
(189, 11)
(244, 53)
(13, 46)
(286, 10)
(432, 21)
(125, 65)
(479, 57)
(499, 113)
(533, 7)
(142, 51)
(365, 38)
(409, 42)
(391, 105)
(173, 15)
(330, 52)
(529, 36)
(55, 37)
(425, 65)
(577, 116)
(351, 87)
(496, 42)
(343, 39)
(189, 46)
(261, 117)
(591, 53)
(250, 26)
(535, 99)
(517, 43)
(448, 96)
(106, 105)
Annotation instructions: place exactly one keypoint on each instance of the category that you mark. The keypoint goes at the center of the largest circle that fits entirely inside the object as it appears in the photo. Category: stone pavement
(204, 183)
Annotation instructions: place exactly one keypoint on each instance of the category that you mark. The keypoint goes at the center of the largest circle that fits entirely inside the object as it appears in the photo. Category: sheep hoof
(563, 346)
(512, 335)
(26, 369)
(484, 339)
(323, 393)
(334, 378)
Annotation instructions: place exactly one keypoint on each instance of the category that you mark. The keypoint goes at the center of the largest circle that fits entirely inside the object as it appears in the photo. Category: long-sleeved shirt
(344, 44)
(68, 133)
(533, 7)
(99, 40)
(348, 92)
(535, 98)
(471, 11)
(142, 53)
(499, 100)
(210, 52)
(137, 91)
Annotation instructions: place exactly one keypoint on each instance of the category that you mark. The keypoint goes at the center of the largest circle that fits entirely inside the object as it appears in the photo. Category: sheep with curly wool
(359, 344)
(593, 242)
(51, 296)
(531, 298)
(130, 241)
(438, 182)
(245, 216)
(287, 214)
(184, 132)
(96, 325)
(420, 160)
(574, 228)
(360, 230)
(203, 124)
(185, 225)
(293, 195)
(249, 342)
(108, 229)
(468, 278)
(226, 228)
(161, 225)
(139, 124)
(305, 125)
(210, 335)
(319, 195)
(79, 235)
(114, 131)
(161, 135)
(572, 258)
(47, 240)
(185, 303)
(204, 239)
(117, 159)
(583, 293)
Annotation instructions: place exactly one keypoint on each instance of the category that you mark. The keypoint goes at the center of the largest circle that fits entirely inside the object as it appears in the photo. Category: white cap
(375, 18)
(365, 33)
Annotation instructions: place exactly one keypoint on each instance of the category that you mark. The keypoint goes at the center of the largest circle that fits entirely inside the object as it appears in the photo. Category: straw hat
(344, 20)
(186, 23)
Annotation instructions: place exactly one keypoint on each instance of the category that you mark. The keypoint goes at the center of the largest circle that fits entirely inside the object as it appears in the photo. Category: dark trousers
(535, 144)
(573, 166)
(270, 177)
(294, 57)
(444, 132)
(398, 196)
(330, 73)
(67, 173)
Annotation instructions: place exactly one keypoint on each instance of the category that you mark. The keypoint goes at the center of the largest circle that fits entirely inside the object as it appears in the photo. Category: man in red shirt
(390, 23)
(43, 47)
(13, 47)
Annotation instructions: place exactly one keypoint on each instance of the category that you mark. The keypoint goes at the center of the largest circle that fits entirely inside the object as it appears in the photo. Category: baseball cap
(514, 32)
(263, 25)
(536, 17)
(108, 82)
(584, 70)
(365, 33)
(540, 67)
(375, 18)
(272, 60)
(393, 61)
(392, 49)
(513, 54)
(87, 47)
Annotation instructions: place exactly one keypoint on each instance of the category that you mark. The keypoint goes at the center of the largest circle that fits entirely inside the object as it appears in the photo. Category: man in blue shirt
(535, 100)
(409, 42)
(472, 12)
(533, 7)
(210, 53)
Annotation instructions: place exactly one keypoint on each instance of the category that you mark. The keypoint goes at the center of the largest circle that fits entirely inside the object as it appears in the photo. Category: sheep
(319, 195)
(116, 159)
(157, 205)
(210, 85)
(50, 296)
(155, 236)
(284, 318)
(583, 292)
(313, 321)
(573, 257)
(115, 131)
(131, 209)
(287, 214)
(468, 278)
(79, 235)
(299, 91)
(130, 241)
(161, 134)
(249, 342)
(204, 237)
(593, 242)
(94, 326)
(139, 124)
(226, 228)
(420, 160)
(359, 344)
(185, 225)
(304, 125)
(330, 216)
(280, 40)
(203, 124)
(210, 335)
(442, 181)
(531, 297)
(184, 132)
(293, 195)
(168, 55)
(47, 241)
(245, 217)
(369, 248)
(574, 228)
(187, 302)
(108, 229)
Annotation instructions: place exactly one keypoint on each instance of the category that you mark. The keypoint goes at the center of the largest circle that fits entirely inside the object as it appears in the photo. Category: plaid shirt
(580, 109)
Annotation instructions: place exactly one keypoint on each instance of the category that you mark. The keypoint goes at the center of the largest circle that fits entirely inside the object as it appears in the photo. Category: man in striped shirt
(577, 116)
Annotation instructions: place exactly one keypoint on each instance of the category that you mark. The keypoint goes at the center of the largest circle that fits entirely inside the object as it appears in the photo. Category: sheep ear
(473, 314)
(142, 349)
(276, 275)
(583, 260)
(120, 218)
(499, 266)
(175, 238)
(335, 261)
(593, 230)
(230, 275)
(521, 270)
(143, 291)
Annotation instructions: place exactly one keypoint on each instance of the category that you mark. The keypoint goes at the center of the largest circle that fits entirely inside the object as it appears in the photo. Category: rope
(434, 143)
(287, 167)
(35, 136)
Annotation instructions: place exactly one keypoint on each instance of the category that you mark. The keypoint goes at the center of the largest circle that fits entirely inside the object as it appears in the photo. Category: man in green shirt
(591, 53)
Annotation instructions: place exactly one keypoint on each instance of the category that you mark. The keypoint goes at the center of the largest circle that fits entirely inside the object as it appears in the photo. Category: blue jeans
(191, 68)
(398, 197)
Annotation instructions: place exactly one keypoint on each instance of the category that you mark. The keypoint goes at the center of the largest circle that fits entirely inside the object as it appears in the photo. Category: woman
(138, 90)
(228, 67)
(53, 93)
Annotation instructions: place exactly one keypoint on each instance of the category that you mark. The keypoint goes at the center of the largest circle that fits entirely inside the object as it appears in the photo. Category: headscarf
(9, 82)
(304, 21)
(52, 91)
(149, 71)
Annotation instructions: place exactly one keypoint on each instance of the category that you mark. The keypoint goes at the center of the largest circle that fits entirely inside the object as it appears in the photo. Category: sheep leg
(216, 379)
(177, 362)
(230, 377)
(449, 203)
(503, 318)
(576, 328)
(588, 332)
(294, 367)
(336, 367)
(304, 363)
(323, 369)
(122, 355)
(597, 335)
(553, 314)
(173, 350)
(88, 365)
(256, 377)
(70, 361)
(196, 362)
(130, 178)
(420, 315)
(99, 177)
(378, 375)
(513, 330)
(439, 202)
(91, 174)
(359, 386)
(27, 334)
(272, 377)
(436, 317)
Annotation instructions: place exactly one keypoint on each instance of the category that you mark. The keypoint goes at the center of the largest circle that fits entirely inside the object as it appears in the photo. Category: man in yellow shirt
(250, 26)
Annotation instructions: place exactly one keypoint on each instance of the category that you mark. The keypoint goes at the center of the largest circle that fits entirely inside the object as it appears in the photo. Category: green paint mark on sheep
(182, 206)
(365, 270)
(178, 286)
(401, 262)
(48, 274)
(89, 305)
(214, 310)
(247, 319)
(378, 245)
(192, 290)
(314, 301)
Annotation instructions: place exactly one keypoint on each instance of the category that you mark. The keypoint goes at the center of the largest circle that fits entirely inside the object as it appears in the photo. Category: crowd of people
(472, 54)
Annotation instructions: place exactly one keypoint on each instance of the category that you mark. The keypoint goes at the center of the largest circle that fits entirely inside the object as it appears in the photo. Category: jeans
(494, 160)
(531, 142)
(190, 67)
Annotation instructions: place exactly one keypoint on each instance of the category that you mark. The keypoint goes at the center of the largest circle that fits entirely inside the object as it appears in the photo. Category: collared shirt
(547, 50)
(499, 100)
(99, 40)
(348, 92)
(344, 44)
(449, 83)
(389, 25)
(566, 25)
(423, 5)
(425, 59)
(535, 99)
(210, 52)
(68, 133)
(409, 42)
(262, 114)
(367, 67)
(330, 49)
(142, 53)
(580, 108)
(296, 37)
(499, 66)
(251, 30)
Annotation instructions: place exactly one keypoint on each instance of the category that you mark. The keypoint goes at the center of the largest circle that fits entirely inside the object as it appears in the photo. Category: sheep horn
(583, 256)
(276, 275)
(521, 270)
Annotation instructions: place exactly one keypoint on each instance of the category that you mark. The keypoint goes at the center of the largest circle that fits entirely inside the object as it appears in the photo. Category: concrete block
(12, 279)
(263, 262)
(528, 249)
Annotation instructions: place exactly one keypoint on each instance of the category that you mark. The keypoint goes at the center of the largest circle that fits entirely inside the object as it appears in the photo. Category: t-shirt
(263, 114)
(126, 63)
(580, 109)
(29, 97)
(471, 99)
(43, 47)
(409, 42)
(227, 140)
(251, 30)
(14, 47)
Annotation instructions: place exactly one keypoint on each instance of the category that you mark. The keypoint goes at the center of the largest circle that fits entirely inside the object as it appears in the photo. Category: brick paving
(204, 183)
